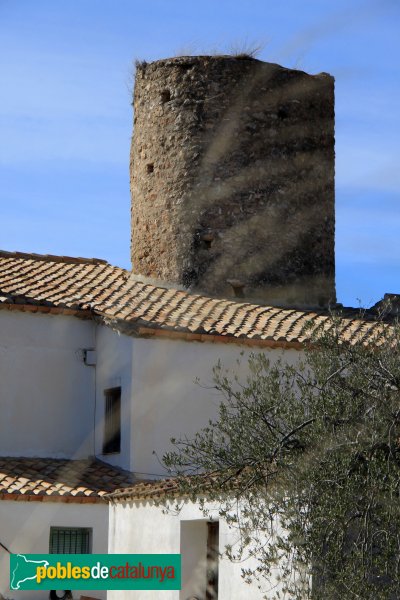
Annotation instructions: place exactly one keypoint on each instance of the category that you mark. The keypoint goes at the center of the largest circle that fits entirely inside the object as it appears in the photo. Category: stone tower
(232, 179)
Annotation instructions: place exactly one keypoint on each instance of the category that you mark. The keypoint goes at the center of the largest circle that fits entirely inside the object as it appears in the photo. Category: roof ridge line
(53, 258)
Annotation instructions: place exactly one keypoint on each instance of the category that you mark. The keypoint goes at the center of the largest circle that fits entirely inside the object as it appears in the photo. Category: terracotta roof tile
(158, 490)
(59, 478)
(146, 490)
(88, 287)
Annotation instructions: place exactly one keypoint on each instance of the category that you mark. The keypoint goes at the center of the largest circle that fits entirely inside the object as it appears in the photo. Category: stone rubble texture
(232, 179)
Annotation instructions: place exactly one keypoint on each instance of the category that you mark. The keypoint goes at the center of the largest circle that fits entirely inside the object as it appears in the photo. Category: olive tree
(314, 447)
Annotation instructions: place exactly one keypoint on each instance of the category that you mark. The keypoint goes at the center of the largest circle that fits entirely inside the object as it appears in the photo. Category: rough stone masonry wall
(232, 179)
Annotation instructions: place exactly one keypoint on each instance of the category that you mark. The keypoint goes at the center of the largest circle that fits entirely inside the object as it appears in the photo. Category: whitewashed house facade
(73, 332)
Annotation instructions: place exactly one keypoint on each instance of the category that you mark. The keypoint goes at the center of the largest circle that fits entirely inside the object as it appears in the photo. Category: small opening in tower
(237, 287)
(283, 113)
(207, 239)
(150, 167)
(165, 96)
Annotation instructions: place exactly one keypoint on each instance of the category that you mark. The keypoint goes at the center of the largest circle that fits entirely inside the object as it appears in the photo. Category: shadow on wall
(241, 179)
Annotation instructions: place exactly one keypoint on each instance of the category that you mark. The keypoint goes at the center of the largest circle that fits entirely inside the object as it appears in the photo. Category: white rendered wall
(25, 528)
(114, 369)
(144, 528)
(166, 401)
(46, 391)
(49, 397)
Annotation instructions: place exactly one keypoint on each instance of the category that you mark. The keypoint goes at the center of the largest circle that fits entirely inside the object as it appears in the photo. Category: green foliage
(314, 447)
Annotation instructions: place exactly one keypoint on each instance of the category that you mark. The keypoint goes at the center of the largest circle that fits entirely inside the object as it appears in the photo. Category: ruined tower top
(232, 179)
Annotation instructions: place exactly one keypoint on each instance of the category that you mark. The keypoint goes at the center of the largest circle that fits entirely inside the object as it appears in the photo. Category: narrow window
(283, 114)
(212, 560)
(70, 540)
(165, 96)
(112, 421)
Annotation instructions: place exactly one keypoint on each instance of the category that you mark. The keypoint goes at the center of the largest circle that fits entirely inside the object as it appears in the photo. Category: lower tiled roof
(147, 490)
(93, 288)
(180, 487)
(52, 479)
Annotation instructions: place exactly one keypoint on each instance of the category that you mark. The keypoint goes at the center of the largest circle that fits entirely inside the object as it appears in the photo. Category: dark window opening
(112, 421)
(150, 168)
(165, 96)
(207, 239)
(237, 287)
(69, 540)
(283, 113)
(212, 560)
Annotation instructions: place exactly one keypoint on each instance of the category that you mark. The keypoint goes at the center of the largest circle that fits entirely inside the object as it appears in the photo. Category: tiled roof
(146, 490)
(168, 488)
(229, 481)
(92, 287)
(42, 479)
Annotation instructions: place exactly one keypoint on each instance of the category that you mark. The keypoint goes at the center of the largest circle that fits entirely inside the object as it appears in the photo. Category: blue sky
(65, 115)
